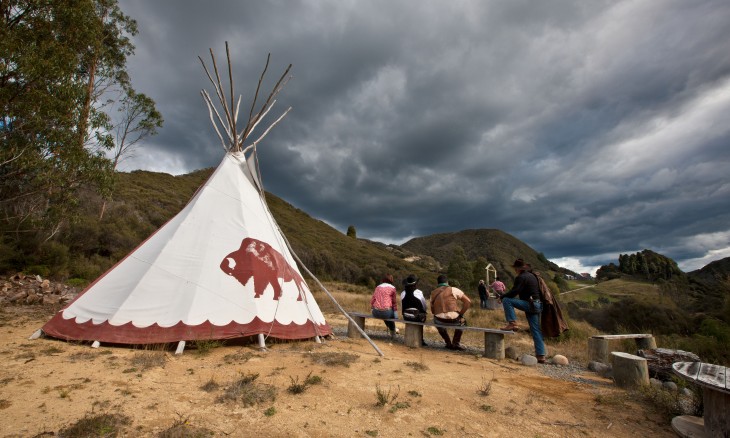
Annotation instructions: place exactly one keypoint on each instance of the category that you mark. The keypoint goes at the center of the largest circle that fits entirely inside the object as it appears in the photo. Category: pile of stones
(21, 289)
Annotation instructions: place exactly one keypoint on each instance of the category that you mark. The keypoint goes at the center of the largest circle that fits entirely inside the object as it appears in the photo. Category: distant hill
(702, 292)
(497, 247)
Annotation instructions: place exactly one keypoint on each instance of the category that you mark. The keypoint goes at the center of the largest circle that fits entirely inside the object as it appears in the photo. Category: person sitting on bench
(445, 309)
(413, 302)
(384, 303)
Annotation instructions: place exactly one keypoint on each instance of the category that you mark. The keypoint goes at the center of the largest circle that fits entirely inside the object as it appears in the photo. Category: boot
(540, 359)
(445, 337)
(511, 327)
(455, 343)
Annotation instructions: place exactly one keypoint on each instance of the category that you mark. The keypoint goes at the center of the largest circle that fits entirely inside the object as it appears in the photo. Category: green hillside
(645, 292)
(143, 201)
(494, 246)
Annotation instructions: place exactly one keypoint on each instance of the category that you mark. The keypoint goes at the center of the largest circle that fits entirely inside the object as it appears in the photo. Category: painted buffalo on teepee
(258, 260)
(184, 283)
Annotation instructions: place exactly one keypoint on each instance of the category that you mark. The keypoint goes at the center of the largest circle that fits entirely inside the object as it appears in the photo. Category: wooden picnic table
(715, 396)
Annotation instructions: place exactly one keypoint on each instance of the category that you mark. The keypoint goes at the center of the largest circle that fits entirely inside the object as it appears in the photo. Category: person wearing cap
(445, 308)
(384, 303)
(525, 289)
(412, 300)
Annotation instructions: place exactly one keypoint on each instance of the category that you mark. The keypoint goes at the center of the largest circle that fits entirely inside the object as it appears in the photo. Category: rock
(670, 386)
(51, 299)
(18, 297)
(510, 353)
(655, 383)
(45, 285)
(599, 367)
(559, 359)
(33, 299)
(686, 392)
(528, 360)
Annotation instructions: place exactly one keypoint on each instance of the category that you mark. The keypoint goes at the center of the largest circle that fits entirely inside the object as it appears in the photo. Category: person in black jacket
(525, 294)
(482, 288)
(413, 302)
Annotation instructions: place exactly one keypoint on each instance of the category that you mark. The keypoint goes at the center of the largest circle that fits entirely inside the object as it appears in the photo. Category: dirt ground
(47, 385)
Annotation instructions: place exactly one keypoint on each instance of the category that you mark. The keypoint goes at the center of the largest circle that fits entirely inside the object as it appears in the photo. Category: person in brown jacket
(445, 308)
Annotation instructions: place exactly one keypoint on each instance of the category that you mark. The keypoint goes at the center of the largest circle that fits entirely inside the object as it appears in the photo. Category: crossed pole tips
(226, 120)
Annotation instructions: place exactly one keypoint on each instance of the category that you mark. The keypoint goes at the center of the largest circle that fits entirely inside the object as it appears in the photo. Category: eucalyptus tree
(58, 62)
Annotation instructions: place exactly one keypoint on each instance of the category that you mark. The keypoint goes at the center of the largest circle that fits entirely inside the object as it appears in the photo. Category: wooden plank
(634, 336)
(688, 426)
(704, 374)
(713, 376)
(687, 370)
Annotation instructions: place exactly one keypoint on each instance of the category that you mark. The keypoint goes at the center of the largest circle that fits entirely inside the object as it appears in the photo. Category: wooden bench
(493, 338)
(598, 345)
(715, 384)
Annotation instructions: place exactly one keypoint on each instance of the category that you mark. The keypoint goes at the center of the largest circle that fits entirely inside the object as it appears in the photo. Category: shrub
(106, 425)
(247, 392)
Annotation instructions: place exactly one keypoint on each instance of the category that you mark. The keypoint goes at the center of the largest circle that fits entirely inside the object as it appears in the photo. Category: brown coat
(552, 323)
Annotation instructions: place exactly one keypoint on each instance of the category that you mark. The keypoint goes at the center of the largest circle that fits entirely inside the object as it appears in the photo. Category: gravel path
(568, 373)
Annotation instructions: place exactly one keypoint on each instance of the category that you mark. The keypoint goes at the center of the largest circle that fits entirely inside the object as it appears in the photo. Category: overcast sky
(584, 128)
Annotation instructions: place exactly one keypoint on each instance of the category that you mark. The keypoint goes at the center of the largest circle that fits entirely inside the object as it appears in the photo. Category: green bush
(715, 328)
(41, 270)
(77, 282)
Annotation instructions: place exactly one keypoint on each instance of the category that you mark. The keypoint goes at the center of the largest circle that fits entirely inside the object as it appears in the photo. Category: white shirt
(418, 294)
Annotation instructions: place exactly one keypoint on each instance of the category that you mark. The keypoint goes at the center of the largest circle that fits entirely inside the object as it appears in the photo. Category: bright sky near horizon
(585, 129)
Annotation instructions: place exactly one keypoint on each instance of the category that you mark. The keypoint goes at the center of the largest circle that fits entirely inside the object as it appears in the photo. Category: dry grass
(211, 385)
(181, 428)
(145, 360)
(97, 425)
(351, 298)
(239, 357)
(385, 396)
(246, 391)
(334, 358)
(203, 347)
(486, 387)
(418, 366)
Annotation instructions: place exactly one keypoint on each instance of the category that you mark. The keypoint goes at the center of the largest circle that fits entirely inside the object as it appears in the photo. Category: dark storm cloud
(586, 129)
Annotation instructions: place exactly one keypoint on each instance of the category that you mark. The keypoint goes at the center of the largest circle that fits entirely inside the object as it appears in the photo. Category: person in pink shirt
(384, 303)
(497, 286)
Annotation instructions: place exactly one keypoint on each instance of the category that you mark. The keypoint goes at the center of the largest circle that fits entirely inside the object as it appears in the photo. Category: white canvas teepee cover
(219, 269)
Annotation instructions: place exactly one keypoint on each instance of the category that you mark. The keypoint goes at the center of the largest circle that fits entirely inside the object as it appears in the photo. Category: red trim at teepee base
(69, 329)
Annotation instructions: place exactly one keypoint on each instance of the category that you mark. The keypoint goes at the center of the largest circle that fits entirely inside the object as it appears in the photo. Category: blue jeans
(387, 313)
(509, 305)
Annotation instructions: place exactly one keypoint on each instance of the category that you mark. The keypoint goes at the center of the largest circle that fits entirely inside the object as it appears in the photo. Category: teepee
(220, 269)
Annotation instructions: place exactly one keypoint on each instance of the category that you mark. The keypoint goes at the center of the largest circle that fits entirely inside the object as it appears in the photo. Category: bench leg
(717, 406)
(629, 371)
(598, 350)
(414, 335)
(494, 346)
(352, 331)
(646, 343)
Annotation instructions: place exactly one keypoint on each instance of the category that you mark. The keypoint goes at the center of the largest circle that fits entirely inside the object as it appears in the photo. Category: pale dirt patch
(48, 384)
